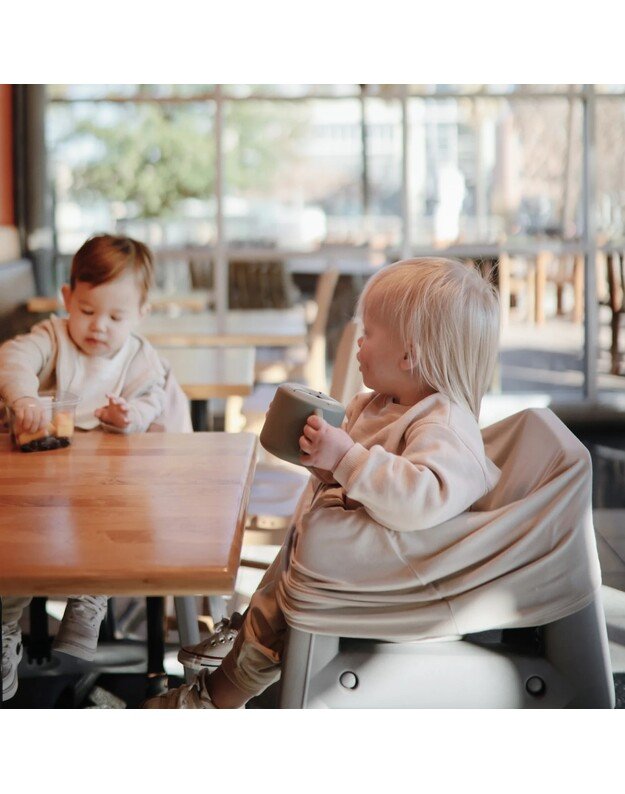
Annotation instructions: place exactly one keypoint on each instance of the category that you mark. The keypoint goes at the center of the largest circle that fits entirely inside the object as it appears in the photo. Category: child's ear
(406, 364)
(66, 292)
(144, 309)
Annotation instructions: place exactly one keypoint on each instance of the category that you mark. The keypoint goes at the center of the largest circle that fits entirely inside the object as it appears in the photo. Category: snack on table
(27, 438)
(43, 444)
(59, 429)
(64, 424)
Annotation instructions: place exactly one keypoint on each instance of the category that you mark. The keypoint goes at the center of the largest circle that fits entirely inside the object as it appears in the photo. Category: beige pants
(254, 661)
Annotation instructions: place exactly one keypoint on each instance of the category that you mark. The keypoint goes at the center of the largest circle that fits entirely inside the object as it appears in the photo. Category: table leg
(157, 679)
(199, 415)
(188, 631)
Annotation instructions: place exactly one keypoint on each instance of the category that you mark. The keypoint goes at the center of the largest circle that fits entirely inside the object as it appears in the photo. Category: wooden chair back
(314, 369)
(346, 375)
(260, 285)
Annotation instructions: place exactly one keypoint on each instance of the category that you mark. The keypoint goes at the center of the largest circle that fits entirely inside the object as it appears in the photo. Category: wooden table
(244, 327)
(206, 373)
(196, 300)
(144, 514)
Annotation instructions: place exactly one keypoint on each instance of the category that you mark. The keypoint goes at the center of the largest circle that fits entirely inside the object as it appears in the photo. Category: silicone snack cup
(287, 415)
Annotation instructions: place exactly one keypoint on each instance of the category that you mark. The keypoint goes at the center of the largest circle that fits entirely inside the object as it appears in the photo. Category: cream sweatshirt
(413, 467)
(47, 359)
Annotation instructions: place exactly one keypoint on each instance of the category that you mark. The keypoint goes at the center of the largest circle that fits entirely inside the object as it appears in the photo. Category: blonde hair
(447, 317)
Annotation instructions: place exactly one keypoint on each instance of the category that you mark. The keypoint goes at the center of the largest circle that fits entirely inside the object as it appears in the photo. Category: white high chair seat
(534, 633)
(564, 664)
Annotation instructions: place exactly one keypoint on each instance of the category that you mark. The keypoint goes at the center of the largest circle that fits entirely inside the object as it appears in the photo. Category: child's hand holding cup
(323, 445)
(288, 414)
(30, 415)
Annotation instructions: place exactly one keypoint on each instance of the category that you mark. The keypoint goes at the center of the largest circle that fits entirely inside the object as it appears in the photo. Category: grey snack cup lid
(291, 406)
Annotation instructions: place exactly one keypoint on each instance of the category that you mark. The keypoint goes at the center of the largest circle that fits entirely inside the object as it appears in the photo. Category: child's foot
(210, 652)
(80, 627)
(187, 696)
(11, 656)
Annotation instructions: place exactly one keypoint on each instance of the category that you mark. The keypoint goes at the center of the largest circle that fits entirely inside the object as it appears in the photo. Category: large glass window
(306, 164)
(484, 170)
(298, 171)
(309, 168)
(297, 176)
(610, 133)
(148, 168)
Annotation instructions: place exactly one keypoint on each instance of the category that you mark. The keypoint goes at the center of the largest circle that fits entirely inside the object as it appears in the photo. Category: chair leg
(234, 420)
(503, 280)
(578, 289)
(531, 293)
(614, 351)
(541, 283)
(559, 300)
(295, 669)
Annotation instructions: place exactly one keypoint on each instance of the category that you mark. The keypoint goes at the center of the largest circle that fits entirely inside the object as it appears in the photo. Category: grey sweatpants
(12, 609)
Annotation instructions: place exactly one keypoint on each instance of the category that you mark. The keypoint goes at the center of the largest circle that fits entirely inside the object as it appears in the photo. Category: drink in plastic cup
(60, 412)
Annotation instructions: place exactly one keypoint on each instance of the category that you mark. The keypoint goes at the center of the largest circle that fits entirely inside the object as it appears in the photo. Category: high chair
(500, 660)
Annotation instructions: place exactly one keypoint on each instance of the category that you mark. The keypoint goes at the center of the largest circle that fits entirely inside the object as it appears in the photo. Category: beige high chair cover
(524, 555)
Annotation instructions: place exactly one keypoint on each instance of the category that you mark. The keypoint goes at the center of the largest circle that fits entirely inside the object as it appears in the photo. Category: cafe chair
(516, 282)
(304, 364)
(499, 661)
(615, 278)
(252, 283)
(567, 272)
(307, 363)
(261, 284)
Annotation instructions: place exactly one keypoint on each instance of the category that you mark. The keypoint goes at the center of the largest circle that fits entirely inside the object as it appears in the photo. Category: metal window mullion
(396, 93)
(589, 186)
(220, 281)
(406, 244)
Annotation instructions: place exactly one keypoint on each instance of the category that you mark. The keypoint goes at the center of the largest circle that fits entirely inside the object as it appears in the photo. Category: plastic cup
(60, 413)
